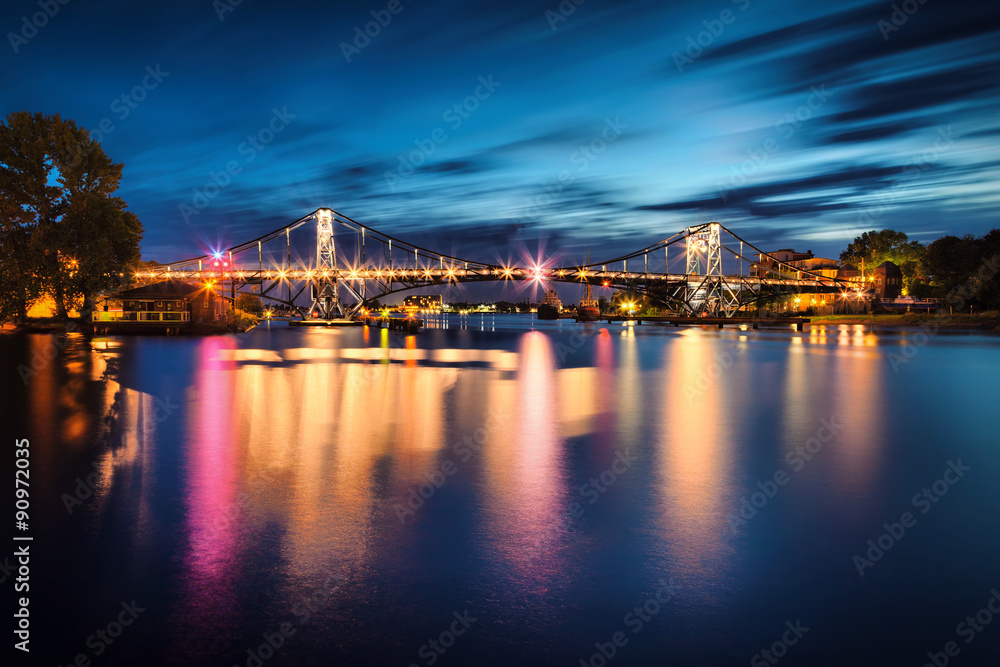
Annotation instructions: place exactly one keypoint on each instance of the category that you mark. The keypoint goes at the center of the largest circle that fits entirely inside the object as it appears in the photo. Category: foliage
(885, 245)
(965, 269)
(238, 320)
(249, 303)
(64, 233)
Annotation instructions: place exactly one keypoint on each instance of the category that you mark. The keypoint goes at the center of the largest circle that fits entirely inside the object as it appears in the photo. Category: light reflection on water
(234, 477)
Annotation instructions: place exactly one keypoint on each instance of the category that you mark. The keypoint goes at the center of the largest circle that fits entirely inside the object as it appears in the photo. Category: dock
(679, 320)
(407, 324)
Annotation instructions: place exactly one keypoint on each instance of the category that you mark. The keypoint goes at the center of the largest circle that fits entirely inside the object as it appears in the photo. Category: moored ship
(589, 310)
(550, 306)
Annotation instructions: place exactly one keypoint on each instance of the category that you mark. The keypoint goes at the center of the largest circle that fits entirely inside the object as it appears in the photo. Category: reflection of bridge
(716, 279)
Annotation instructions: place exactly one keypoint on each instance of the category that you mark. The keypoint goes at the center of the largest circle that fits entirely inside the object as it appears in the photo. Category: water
(517, 491)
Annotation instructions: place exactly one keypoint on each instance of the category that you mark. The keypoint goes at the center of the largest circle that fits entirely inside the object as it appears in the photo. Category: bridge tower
(707, 292)
(326, 284)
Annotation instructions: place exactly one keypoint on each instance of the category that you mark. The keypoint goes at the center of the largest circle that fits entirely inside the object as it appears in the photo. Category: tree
(885, 245)
(65, 232)
(966, 268)
(249, 303)
(24, 194)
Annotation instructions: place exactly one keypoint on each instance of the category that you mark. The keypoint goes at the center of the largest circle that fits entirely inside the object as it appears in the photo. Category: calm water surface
(518, 492)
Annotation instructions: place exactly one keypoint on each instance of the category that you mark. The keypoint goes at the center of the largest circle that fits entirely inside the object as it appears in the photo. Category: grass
(985, 319)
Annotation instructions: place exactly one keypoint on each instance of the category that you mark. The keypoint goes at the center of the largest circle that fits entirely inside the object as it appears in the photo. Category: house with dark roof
(888, 279)
(169, 304)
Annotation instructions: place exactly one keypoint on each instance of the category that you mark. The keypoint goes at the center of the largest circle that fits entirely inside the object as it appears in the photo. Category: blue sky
(608, 127)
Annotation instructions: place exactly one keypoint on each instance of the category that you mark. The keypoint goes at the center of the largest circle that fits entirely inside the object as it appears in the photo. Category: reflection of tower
(326, 296)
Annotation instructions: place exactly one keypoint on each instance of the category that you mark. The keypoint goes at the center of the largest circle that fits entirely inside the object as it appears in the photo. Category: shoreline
(76, 326)
(984, 323)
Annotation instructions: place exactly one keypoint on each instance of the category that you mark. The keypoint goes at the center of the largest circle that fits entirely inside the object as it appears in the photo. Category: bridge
(719, 279)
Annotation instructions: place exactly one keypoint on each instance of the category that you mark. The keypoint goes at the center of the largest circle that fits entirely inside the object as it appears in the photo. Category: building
(166, 303)
(816, 266)
(767, 264)
(423, 303)
(850, 273)
(888, 280)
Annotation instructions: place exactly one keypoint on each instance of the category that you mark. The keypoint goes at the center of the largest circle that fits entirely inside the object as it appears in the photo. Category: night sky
(607, 127)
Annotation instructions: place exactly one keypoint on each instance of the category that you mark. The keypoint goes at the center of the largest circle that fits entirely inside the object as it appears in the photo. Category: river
(501, 491)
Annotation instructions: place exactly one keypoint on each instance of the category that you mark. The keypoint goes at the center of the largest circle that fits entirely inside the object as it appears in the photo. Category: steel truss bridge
(719, 279)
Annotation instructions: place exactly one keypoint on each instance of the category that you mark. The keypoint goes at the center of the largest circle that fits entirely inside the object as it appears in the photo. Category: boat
(550, 306)
(588, 310)
(908, 303)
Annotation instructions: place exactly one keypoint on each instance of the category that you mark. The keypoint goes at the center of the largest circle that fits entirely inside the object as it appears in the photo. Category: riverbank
(241, 324)
(985, 321)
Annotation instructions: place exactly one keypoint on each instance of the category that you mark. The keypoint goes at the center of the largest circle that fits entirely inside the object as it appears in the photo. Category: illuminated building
(423, 303)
